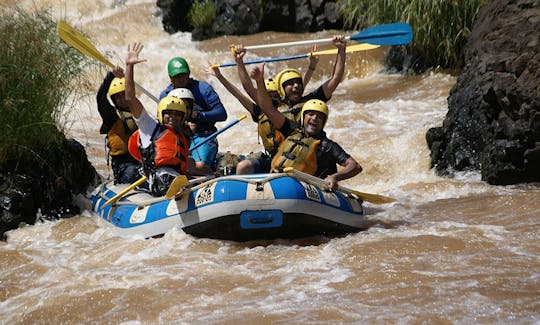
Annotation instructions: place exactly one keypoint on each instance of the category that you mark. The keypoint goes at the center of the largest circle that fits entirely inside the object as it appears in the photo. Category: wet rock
(493, 119)
(236, 17)
(45, 188)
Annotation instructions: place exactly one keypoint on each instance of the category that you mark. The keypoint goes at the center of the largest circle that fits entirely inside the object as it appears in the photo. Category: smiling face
(173, 119)
(293, 89)
(313, 122)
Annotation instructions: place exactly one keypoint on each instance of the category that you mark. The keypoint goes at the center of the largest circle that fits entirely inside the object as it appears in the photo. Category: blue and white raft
(237, 208)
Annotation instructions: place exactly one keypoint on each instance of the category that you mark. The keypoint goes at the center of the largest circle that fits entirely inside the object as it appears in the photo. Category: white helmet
(181, 93)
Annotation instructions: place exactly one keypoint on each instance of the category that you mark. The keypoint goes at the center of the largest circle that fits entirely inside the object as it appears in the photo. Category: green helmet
(176, 66)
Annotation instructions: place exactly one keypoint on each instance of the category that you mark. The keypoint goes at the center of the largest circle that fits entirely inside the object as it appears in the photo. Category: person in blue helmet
(207, 110)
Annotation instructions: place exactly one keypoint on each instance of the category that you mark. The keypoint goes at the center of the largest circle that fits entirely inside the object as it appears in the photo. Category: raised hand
(339, 41)
(132, 56)
(118, 72)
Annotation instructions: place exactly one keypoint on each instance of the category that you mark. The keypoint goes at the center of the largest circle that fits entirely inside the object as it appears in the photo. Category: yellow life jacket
(297, 151)
(291, 113)
(271, 138)
(118, 135)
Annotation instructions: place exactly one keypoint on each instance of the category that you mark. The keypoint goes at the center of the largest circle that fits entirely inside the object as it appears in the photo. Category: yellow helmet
(284, 76)
(170, 103)
(270, 84)
(314, 105)
(117, 85)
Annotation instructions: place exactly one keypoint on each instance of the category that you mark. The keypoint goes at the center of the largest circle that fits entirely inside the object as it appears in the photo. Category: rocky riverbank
(493, 120)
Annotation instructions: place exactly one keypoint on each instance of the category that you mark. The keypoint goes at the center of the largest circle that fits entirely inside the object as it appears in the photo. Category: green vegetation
(36, 71)
(202, 13)
(440, 27)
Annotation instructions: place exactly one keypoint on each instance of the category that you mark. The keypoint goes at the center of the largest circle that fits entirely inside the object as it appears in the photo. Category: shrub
(440, 27)
(36, 70)
(202, 13)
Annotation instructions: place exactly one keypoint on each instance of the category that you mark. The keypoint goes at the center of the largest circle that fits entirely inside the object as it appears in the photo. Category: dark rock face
(493, 120)
(174, 13)
(238, 17)
(233, 17)
(47, 187)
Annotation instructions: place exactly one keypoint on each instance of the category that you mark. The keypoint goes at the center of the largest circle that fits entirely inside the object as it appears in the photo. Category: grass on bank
(440, 27)
(202, 13)
(37, 71)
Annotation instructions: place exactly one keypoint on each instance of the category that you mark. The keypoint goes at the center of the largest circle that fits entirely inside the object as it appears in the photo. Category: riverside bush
(37, 71)
(440, 27)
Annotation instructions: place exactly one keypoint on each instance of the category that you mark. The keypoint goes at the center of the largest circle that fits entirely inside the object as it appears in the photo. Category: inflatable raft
(237, 208)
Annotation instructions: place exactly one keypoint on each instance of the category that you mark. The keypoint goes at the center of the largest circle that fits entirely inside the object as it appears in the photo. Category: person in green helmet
(306, 147)
(207, 110)
(118, 125)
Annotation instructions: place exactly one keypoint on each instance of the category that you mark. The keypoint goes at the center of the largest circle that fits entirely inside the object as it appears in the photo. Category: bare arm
(132, 58)
(244, 100)
(350, 169)
(239, 51)
(313, 61)
(264, 100)
(331, 84)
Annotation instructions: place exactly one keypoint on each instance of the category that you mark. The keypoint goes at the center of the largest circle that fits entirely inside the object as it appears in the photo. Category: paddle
(386, 34)
(124, 191)
(349, 49)
(79, 42)
(373, 198)
(218, 132)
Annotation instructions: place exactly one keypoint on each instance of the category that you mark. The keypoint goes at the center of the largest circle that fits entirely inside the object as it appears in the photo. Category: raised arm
(244, 100)
(313, 61)
(330, 85)
(132, 58)
(239, 51)
(264, 100)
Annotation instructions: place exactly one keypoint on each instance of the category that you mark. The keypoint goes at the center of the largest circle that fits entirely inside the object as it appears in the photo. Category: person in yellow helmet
(306, 146)
(160, 145)
(260, 162)
(118, 125)
(291, 86)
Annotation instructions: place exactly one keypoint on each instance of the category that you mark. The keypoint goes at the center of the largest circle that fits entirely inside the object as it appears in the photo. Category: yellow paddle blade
(77, 40)
(349, 49)
(373, 198)
(124, 191)
(178, 184)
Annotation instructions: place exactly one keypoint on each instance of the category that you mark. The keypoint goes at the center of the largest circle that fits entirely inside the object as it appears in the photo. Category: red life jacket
(167, 149)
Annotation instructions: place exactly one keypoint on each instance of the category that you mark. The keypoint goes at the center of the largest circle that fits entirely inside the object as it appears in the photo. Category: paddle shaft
(349, 49)
(386, 34)
(79, 42)
(373, 198)
(218, 132)
(124, 191)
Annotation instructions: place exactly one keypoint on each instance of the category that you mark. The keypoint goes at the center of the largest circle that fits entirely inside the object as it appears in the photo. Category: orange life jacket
(167, 149)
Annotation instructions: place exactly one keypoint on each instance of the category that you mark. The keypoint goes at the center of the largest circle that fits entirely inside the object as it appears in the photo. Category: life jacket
(271, 138)
(291, 113)
(118, 135)
(297, 151)
(167, 149)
